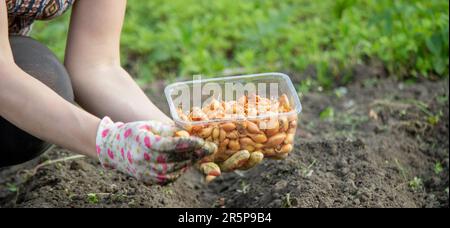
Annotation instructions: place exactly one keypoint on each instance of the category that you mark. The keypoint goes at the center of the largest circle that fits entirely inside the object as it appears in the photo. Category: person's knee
(38, 61)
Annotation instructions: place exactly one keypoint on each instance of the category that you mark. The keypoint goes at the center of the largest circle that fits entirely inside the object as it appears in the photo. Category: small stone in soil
(281, 185)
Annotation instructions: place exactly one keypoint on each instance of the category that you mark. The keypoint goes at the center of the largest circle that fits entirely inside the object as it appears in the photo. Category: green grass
(416, 184)
(92, 198)
(165, 39)
(438, 169)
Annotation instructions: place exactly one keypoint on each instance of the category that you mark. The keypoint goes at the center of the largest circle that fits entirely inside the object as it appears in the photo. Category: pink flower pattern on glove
(148, 150)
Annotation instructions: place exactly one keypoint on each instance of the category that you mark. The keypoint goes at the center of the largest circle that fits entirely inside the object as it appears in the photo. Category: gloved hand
(148, 150)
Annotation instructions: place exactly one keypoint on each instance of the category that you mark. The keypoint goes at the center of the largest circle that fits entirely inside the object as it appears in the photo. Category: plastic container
(275, 132)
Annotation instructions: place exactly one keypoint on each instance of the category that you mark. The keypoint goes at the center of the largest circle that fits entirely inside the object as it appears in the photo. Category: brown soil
(368, 154)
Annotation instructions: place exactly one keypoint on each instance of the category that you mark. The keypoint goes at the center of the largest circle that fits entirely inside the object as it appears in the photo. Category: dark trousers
(38, 61)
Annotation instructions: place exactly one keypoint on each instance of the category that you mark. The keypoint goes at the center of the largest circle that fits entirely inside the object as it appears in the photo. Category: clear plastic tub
(267, 100)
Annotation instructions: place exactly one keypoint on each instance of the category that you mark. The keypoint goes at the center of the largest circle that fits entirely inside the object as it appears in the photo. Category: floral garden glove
(148, 150)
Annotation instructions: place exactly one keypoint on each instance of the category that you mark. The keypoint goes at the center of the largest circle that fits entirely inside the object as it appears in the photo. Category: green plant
(435, 119)
(438, 169)
(307, 171)
(305, 86)
(167, 191)
(442, 99)
(415, 184)
(12, 187)
(92, 198)
(287, 202)
(340, 92)
(164, 39)
(327, 114)
(245, 188)
(431, 118)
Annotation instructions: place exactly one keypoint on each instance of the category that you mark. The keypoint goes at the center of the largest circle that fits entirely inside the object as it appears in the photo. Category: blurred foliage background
(167, 39)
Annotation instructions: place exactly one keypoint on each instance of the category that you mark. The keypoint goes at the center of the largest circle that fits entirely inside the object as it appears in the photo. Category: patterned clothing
(22, 13)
